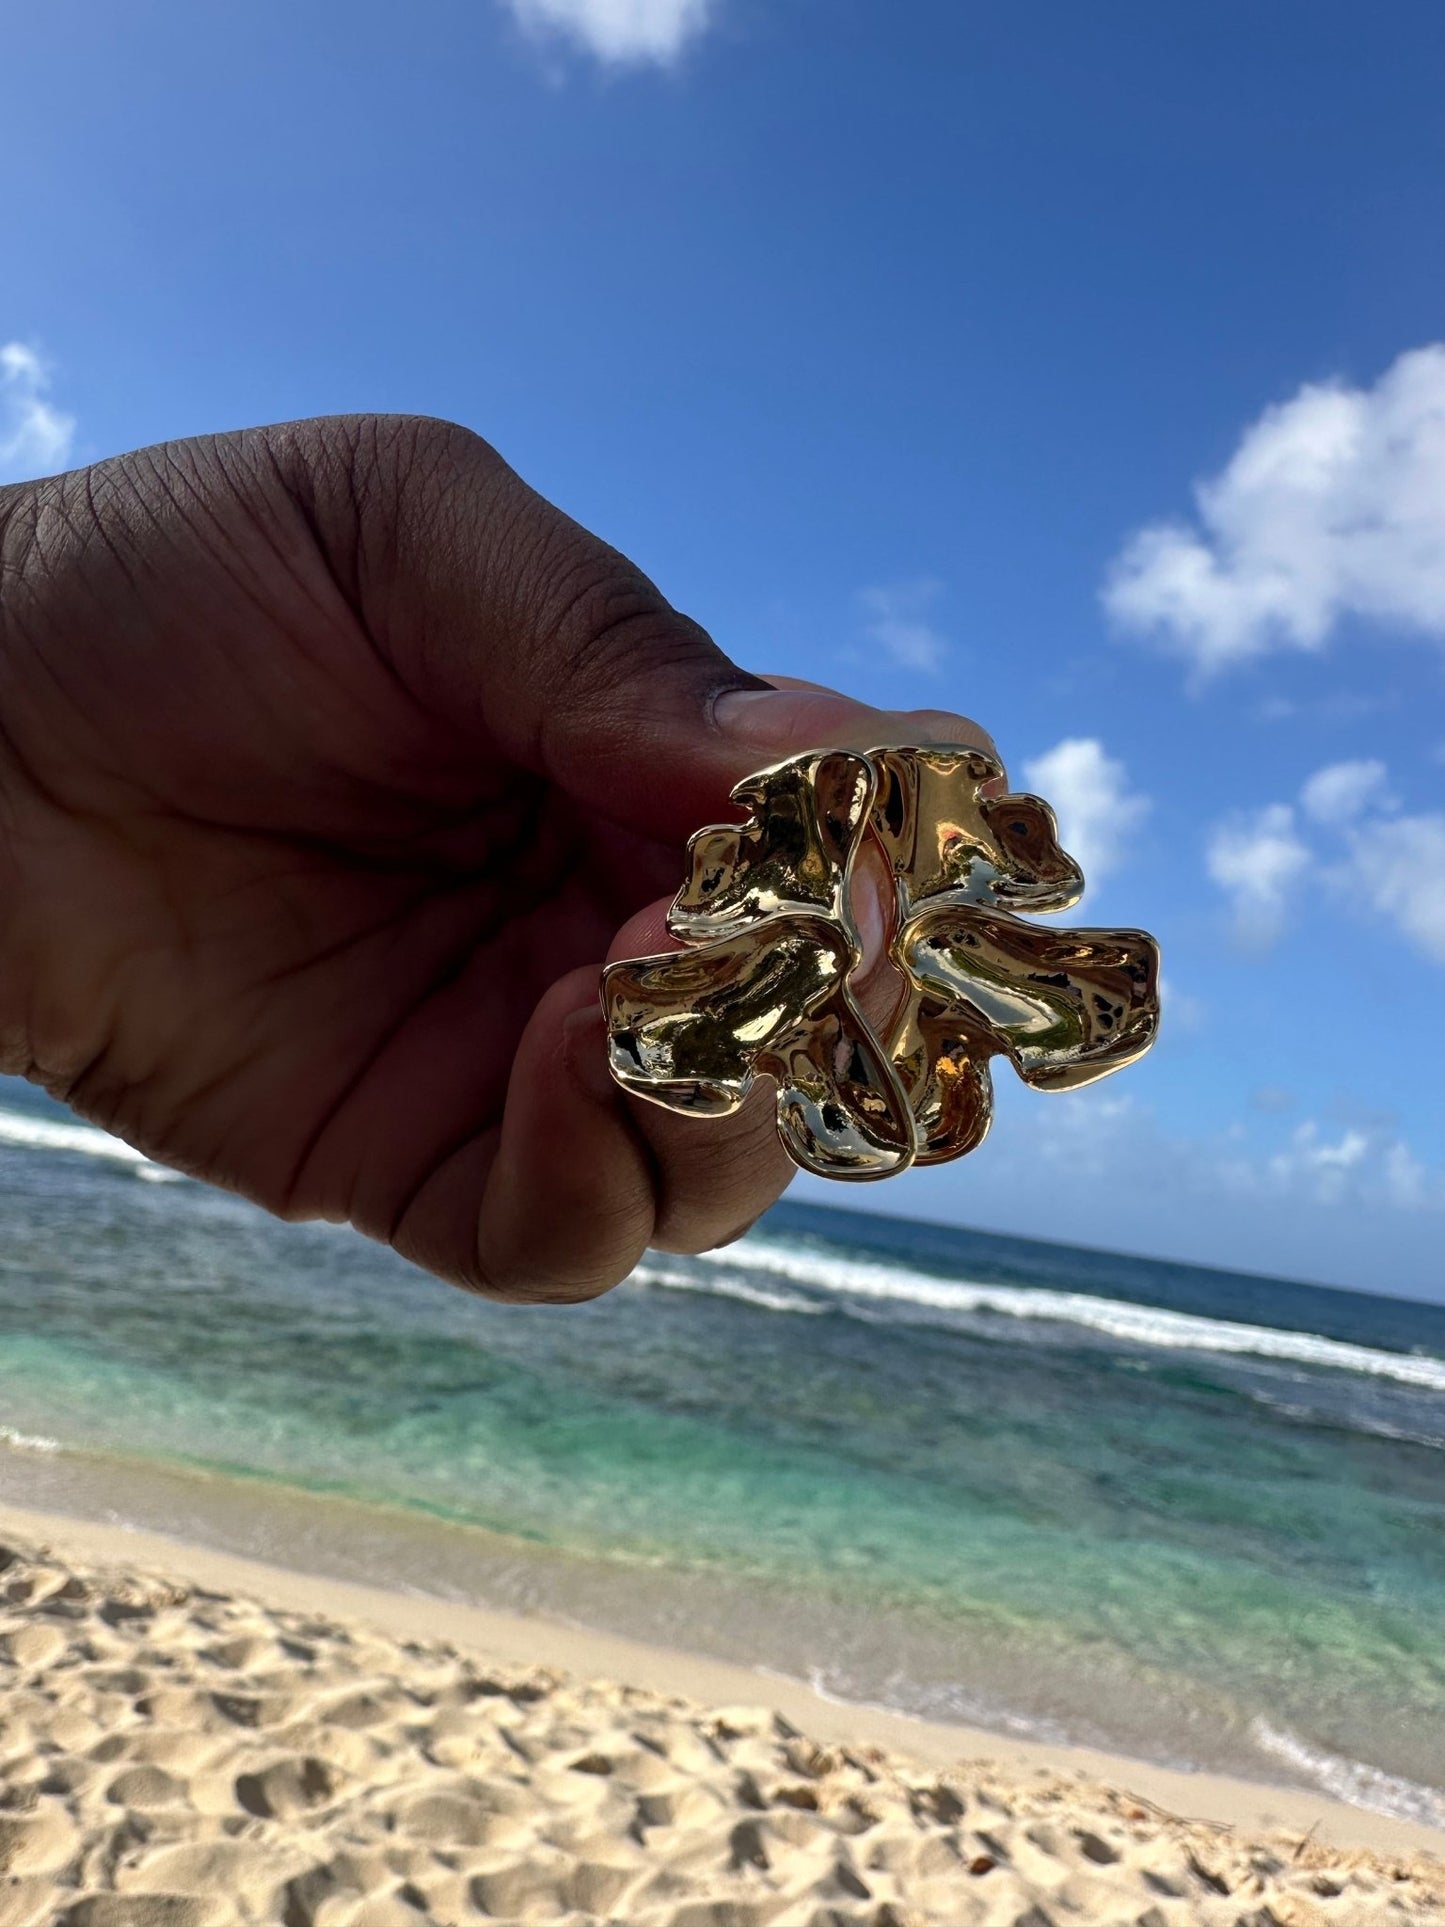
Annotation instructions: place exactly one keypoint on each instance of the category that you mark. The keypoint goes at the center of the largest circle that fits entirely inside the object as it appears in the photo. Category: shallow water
(1187, 1514)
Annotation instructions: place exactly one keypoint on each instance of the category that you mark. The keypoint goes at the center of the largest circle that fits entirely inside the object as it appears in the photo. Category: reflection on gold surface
(762, 988)
(693, 1029)
(792, 854)
(943, 834)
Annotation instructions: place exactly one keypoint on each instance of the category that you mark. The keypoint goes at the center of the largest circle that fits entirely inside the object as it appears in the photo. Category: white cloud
(1407, 1182)
(619, 32)
(1103, 1166)
(1100, 1133)
(1396, 865)
(1357, 1163)
(1391, 866)
(1310, 1153)
(1258, 859)
(1098, 813)
(898, 623)
(1342, 792)
(34, 437)
(1333, 505)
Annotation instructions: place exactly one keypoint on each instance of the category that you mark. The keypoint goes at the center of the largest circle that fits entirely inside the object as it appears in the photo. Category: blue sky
(1077, 368)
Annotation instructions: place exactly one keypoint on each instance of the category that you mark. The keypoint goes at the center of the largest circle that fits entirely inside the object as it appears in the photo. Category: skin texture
(333, 763)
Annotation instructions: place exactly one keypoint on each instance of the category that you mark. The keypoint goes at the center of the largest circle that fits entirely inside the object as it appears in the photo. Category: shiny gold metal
(763, 990)
(1064, 1006)
(791, 856)
(762, 986)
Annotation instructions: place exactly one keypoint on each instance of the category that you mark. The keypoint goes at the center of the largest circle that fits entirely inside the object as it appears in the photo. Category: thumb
(526, 635)
(544, 645)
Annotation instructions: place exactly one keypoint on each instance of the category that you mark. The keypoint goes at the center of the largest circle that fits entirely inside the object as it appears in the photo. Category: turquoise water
(1191, 1515)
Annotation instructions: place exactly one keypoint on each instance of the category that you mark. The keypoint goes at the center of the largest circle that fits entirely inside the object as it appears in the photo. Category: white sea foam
(1352, 1780)
(845, 1278)
(724, 1285)
(50, 1134)
(27, 1441)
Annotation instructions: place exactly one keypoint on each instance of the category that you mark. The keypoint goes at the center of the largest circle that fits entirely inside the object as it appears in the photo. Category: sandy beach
(188, 1738)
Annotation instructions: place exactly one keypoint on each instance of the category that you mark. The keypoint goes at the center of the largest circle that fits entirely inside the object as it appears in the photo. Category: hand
(333, 762)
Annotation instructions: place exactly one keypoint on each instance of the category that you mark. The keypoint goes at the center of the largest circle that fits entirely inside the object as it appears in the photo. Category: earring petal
(692, 1029)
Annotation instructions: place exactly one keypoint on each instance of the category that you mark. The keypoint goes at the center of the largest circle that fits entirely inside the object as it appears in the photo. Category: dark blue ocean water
(1188, 1514)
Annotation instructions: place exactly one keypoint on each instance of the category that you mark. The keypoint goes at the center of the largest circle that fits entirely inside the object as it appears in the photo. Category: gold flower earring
(762, 986)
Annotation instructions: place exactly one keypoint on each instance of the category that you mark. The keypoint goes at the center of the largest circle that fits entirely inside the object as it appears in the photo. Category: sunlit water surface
(1191, 1515)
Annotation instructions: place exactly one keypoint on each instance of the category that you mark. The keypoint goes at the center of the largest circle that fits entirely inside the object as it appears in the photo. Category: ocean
(1188, 1515)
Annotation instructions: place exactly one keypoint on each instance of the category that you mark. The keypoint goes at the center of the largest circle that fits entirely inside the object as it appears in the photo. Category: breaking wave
(50, 1134)
(28, 1441)
(746, 1271)
(722, 1285)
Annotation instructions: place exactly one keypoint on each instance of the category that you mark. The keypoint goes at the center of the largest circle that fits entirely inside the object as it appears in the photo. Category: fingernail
(792, 718)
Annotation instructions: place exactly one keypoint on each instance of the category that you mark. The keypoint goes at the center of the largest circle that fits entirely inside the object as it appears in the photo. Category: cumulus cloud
(1258, 859)
(1342, 792)
(1332, 506)
(1390, 865)
(1098, 813)
(1354, 1163)
(619, 32)
(898, 622)
(1396, 866)
(1310, 1152)
(35, 438)
(1407, 1181)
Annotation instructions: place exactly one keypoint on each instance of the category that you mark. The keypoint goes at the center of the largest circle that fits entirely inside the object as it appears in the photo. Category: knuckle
(601, 616)
(20, 520)
(404, 467)
(416, 448)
